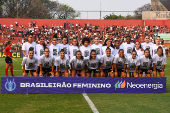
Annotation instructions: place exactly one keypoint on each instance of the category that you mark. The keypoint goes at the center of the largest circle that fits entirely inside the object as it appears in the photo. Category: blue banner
(83, 85)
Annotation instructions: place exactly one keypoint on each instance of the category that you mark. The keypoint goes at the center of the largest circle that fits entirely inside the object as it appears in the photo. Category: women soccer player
(138, 49)
(46, 62)
(78, 65)
(93, 64)
(30, 63)
(40, 47)
(74, 48)
(147, 44)
(65, 46)
(97, 46)
(107, 64)
(54, 48)
(8, 52)
(62, 64)
(159, 62)
(145, 63)
(120, 64)
(85, 49)
(155, 46)
(117, 47)
(128, 46)
(108, 43)
(133, 64)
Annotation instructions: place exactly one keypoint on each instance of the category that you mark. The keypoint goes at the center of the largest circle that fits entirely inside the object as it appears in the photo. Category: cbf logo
(10, 85)
(120, 85)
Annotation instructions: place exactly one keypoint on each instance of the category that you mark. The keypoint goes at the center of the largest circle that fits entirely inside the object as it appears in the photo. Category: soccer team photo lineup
(87, 56)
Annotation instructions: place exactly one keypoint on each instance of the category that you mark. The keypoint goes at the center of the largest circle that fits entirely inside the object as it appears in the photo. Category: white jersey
(27, 45)
(85, 51)
(132, 63)
(77, 64)
(93, 63)
(116, 51)
(145, 63)
(30, 64)
(120, 62)
(155, 47)
(107, 62)
(104, 50)
(72, 51)
(147, 46)
(139, 53)
(46, 62)
(66, 49)
(159, 61)
(39, 50)
(98, 49)
(62, 63)
(54, 51)
(128, 48)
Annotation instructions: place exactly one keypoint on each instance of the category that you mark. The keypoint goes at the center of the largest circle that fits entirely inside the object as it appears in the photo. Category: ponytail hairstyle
(31, 49)
(66, 38)
(44, 45)
(108, 48)
(161, 49)
(139, 43)
(149, 53)
(77, 42)
(46, 48)
(91, 53)
(124, 59)
(115, 43)
(106, 44)
(81, 54)
(8, 43)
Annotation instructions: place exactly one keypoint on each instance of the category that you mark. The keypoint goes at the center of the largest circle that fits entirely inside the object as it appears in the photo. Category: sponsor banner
(14, 55)
(164, 35)
(82, 85)
(155, 15)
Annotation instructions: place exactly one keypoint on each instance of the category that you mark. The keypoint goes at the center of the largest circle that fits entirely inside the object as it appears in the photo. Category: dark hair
(81, 55)
(46, 48)
(44, 45)
(31, 49)
(108, 48)
(134, 51)
(85, 39)
(77, 42)
(91, 53)
(139, 43)
(128, 36)
(8, 43)
(106, 44)
(66, 38)
(161, 49)
(55, 36)
(62, 50)
(123, 55)
(149, 52)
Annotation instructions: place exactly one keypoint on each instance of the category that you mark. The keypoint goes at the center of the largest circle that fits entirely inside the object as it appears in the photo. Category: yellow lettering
(14, 54)
(3, 55)
(18, 55)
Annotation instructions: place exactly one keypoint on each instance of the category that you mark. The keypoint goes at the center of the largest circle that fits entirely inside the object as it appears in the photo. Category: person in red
(8, 59)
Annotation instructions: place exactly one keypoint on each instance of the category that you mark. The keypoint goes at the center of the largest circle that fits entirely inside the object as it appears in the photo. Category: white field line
(92, 106)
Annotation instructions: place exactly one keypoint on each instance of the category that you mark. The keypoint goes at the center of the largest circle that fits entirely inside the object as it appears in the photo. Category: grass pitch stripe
(92, 106)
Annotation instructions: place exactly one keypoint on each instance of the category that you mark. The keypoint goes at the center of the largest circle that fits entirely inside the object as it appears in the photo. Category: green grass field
(75, 103)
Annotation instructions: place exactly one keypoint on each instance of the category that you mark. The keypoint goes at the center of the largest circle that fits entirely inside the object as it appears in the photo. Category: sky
(106, 5)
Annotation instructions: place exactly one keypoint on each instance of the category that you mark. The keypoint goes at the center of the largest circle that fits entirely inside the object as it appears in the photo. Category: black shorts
(78, 71)
(27, 71)
(120, 70)
(94, 70)
(54, 67)
(159, 70)
(144, 70)
(107, 70)
(8, 60)
(46, 70)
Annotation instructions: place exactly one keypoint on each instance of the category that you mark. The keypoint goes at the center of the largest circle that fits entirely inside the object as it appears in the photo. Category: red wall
(49, 22)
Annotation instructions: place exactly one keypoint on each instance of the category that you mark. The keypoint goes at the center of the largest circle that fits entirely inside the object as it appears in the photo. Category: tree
(138, 11)
(113, 16)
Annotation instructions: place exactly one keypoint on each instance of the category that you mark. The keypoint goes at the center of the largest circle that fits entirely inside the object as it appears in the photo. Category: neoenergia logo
(120, 85)
(10, 85)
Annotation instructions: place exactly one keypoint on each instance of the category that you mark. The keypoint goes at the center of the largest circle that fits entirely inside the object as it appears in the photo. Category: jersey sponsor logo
(62, 66)
(97, 51)
(30, 64)
(93, 65)
(159, 63)
(41, 52)
(108, 63)
(155, 51)
(132, 65)
(78, 65)
(148, 47)
(54, 51)
(46, 64)
(120, 63)
(129, 50)
(145, 64)
(65, 50)
(86, 53)
(74, 52)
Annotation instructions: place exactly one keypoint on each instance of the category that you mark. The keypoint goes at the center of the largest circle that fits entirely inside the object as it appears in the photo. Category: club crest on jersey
(10, 85)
